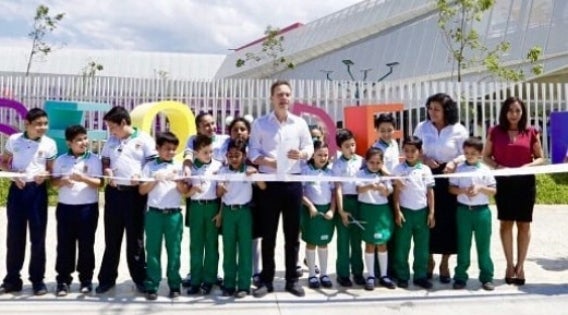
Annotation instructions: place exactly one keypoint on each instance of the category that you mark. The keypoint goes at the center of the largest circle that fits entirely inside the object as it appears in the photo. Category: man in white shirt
(279, 142)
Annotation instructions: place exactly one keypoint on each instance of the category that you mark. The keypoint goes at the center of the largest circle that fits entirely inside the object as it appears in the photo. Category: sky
(190, 26)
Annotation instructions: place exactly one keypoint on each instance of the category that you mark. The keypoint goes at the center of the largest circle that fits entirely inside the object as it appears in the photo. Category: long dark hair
(448, 104)
(504, 122)
(318, 144)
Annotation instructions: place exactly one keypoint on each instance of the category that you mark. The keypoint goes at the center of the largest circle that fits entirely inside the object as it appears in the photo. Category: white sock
(256, 256)
(311, 262)
(370, 264)
(322, 257)
(383, 262)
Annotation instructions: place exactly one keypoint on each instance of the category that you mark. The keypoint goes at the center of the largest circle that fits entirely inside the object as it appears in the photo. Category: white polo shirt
(319, 193)
(208, 187)
(391, 153)
(80, 193)
(373, 196)
(218, 146)
(30, 156)
(480, 175)
(442, 146)
(238, 193)
(419, 179)
(128, 156)
(271, 138)
(347, 168)
(164, 195)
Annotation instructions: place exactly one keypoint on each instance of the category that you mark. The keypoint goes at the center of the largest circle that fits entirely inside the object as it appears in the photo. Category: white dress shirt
(165, 194)
(373, 196)
(480, 175)
(273, 139)
(391, 153)
(30, 156)
(79, 193)
(442, 146)
(343, 167)
(319, 193)
(419, 179)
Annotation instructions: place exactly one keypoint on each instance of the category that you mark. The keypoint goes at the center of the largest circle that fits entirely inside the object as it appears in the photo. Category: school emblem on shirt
(85, 169)
(40, 154)
(137, 145)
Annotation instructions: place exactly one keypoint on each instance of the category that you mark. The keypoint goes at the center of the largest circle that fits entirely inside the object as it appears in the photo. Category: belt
(204, 201)
(472, 207)
(236, 207)
(126, 187)
(165, 211)
(350, 196)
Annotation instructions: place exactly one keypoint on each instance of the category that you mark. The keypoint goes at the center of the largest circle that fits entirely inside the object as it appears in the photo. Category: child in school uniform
(33, 153)
(203, 232)
(236, 218)
(163, 217)
(376, 213)
(473, 214)
(385, 125)
(77, 176)
(317, 215)
(349, 254)
(414, 214)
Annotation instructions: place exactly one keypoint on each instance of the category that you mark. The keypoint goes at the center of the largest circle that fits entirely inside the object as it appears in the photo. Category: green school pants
(203, 242)
(474, 220)
(349, 252)
(414, 228)
(159, 225)
(237, 242)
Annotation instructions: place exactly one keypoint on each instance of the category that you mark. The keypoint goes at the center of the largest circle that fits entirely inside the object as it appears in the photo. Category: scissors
(356, 222)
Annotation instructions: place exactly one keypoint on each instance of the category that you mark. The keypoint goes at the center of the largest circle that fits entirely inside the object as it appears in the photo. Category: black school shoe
(151, 295)
(295, 288)
(263, 290)
(370, 284)
(344, 282)
(174, 293)
(228, 292)
(206, 288)
(86, 288)
(423, 283)
(242, 293)
(10, 288)
(359, 280)
(194, 289)
(62, 289)
(313, 283)
(386, 282)
(326, 281)
(39, 288)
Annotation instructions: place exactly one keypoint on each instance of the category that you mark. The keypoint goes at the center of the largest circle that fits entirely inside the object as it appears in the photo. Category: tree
(44, 23)
(456, 19)
(272, 49)
(91, 69)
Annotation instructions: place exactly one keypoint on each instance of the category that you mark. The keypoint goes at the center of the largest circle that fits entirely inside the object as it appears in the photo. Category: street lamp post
(349, 63)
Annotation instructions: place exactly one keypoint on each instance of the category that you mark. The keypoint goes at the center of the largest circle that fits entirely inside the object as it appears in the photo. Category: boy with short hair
(77, 177)
(123, 156)
(163, 217)
(473, 214)
(414, 214)
(203, 233)
(349, 252)
(30, 152)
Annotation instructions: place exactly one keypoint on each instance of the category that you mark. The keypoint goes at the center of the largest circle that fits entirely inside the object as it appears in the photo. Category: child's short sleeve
(105, 152)
(52, 150)
(146, 172)
(57, 169)
(428, 177)
(149, 148)
(95, 167)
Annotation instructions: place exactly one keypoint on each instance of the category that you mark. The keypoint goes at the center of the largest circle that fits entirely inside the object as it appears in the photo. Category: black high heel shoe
(520, 280)
(510, 280)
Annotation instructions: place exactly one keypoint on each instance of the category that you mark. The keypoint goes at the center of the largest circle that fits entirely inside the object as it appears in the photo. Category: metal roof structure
(116, 63)
(405, 34)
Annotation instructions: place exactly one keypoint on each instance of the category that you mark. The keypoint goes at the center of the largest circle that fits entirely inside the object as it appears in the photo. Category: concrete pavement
(546, 290)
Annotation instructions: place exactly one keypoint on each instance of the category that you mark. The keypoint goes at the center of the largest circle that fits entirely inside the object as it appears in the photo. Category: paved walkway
(546, 291)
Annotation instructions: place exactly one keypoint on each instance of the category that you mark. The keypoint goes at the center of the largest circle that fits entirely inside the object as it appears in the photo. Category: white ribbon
(242, 177)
